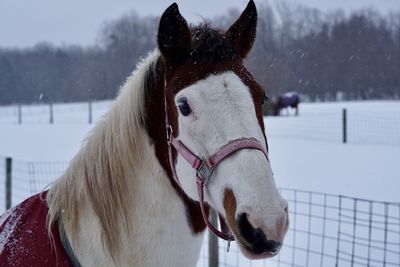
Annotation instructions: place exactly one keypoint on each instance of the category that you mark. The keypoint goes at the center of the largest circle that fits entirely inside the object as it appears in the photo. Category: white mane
(101, 174)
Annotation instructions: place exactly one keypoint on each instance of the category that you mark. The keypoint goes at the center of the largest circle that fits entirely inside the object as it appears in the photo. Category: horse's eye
(183, 106)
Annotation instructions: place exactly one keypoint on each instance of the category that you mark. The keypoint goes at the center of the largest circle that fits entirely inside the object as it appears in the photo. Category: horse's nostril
(286, 218)
(247, 230)
(275, 246)
(256, 237)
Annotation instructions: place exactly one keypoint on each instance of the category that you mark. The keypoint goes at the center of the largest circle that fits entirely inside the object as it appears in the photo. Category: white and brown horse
(186, 129)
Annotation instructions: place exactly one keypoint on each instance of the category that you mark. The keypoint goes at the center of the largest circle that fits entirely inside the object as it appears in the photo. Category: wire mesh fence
(330, 230)
(315, 122)
(29, 177)
(372, 127)
(376, 128)
(325, 229)
(82, 112)
(316, 126)
(2, 184)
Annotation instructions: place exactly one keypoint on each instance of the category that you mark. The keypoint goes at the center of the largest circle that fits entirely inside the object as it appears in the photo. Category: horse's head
(211, 101)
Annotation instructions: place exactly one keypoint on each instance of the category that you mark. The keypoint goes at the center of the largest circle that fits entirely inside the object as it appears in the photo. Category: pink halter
(204, 170)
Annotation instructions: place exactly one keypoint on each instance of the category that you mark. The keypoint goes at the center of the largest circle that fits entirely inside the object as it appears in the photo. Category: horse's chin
(247, 252)
(246, 248)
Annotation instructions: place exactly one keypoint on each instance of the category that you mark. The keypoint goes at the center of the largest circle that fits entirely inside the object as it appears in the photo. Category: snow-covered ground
(363, 171)
(306, 152)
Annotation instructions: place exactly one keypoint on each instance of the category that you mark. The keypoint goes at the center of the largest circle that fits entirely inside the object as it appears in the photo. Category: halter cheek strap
(204, 167)
(204, 170)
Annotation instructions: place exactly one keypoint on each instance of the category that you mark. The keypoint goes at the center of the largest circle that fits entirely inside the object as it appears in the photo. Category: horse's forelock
(209, 45)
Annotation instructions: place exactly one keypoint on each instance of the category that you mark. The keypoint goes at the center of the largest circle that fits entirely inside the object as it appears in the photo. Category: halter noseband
(204, 170)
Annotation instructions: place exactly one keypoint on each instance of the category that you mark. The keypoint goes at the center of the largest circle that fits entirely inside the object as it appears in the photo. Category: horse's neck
(125, 197)
(159, 233)
(160, 221)
(154, 231)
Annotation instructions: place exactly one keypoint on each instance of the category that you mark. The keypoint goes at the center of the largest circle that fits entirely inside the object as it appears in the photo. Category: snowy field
(306, 153)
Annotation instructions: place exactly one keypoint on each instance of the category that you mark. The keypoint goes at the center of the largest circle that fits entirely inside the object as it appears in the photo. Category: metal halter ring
(169, 132)
(204, 172)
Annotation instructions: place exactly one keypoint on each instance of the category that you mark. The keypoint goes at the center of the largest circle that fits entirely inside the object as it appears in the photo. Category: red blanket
(24, 240)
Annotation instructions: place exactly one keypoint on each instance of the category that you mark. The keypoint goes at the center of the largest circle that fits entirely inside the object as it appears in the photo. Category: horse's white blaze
(223, 110)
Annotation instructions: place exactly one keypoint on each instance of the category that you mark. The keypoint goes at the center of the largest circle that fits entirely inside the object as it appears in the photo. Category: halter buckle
(204, 172)
(169, 132)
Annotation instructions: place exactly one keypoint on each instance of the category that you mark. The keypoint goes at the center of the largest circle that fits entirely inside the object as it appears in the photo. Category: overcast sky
(24, 23)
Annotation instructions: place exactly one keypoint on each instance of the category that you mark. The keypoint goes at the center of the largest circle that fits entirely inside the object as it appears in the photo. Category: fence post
(19, 114)
(51, 113)
(8, 182)
(90, 112)
(344, 122)
(213, 242)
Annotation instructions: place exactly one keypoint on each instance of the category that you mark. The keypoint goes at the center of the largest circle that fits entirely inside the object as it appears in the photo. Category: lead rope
(224, 235)
(224, 229)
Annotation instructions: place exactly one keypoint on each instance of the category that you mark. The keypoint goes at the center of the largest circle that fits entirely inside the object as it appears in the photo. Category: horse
(289, 99)
(185, 135)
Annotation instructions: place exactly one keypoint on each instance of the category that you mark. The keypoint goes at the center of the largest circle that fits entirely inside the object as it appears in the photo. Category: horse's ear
(243, 31)
(173, 35)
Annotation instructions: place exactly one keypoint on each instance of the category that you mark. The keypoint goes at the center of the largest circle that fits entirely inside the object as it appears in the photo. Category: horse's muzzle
(257, 242)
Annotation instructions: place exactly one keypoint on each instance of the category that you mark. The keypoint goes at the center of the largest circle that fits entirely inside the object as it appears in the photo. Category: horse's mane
(101, 174)
(98, 174)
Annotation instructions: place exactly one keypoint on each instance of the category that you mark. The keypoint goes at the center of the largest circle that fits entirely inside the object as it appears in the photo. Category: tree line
(323, 56)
